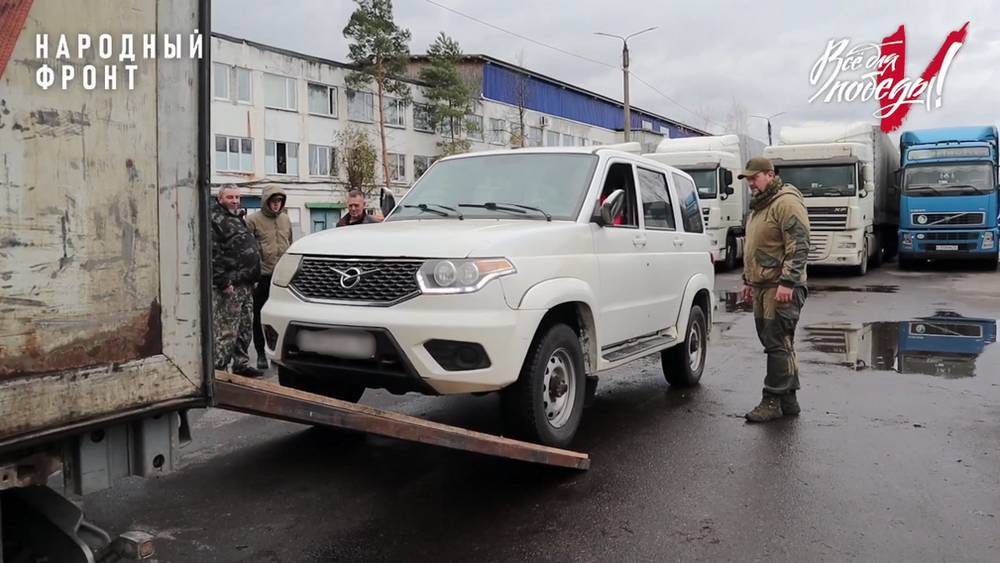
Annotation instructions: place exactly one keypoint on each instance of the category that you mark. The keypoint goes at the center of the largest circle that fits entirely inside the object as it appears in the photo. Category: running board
(637, 348)
(265, 398)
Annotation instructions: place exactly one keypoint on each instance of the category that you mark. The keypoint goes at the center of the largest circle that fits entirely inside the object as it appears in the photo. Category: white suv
(524, 271)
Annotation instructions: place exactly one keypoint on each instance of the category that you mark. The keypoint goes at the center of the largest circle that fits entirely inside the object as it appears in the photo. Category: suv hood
(448, 238)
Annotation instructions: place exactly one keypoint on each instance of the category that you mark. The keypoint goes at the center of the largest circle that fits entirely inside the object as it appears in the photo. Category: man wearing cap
(774, 277)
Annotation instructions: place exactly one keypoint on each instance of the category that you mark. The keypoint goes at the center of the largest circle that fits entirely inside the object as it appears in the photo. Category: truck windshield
(706, 181)
(821, 181)
(494, 186)
(948, 179)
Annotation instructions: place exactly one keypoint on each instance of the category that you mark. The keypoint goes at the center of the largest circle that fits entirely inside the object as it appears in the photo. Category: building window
(397, 167)
(243, 85)
(394, 112)
(568, 140)
(474, 127)
(422, 118)
(360, 106)
(233, 154)
(445, 128)
(322, 160)
(323, 100)
(552, 139)
(515, 135)
(421, 164)
(534, 136)
(323, 219)
(279, 92)
(221, 76)
(595, 143)
(498, 132)
(647, 125)
(281, 158)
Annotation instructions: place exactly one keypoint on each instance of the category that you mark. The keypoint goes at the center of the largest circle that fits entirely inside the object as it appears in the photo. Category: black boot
(262, 362)
(790, 404)
(769, 409)
(247, 371)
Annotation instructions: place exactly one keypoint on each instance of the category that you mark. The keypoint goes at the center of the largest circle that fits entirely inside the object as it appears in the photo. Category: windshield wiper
(427, 208)
(921, 187)
(548, 216)
(493, 206)
(970, 186)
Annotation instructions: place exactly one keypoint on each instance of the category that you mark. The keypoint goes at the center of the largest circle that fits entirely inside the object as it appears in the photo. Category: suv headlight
(461, 276)
(285, 270)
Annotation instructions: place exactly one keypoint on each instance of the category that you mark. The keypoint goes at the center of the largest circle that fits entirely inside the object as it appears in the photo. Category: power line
(570, 53)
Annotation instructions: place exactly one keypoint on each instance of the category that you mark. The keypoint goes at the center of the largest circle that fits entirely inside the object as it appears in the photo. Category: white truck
(525, 272)
(847, 175)
(713, 163)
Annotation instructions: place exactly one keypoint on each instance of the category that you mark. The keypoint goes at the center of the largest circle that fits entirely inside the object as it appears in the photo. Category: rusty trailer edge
(264, 398)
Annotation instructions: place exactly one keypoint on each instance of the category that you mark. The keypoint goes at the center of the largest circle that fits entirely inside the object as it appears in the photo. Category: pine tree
(380, 52)
(450, 96)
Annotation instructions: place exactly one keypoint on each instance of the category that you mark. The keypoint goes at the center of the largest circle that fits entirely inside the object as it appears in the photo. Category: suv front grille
(382, 282)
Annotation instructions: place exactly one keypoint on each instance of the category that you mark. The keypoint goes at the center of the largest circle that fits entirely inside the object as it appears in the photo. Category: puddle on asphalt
(945, 344)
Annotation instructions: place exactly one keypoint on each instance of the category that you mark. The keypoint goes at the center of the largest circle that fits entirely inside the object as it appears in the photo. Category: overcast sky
(707, 54)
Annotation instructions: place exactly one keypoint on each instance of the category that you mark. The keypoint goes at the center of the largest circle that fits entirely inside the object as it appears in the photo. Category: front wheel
(684, 363)
(730, 254)
(862, 268)
(545, 405)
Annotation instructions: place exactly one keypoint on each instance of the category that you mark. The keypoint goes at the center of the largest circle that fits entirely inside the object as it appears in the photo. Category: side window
(690, 210)
(656, 207)
(620, 178)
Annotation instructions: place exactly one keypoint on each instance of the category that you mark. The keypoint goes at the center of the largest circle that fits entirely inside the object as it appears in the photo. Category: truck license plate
(947, 247)
(346, 344)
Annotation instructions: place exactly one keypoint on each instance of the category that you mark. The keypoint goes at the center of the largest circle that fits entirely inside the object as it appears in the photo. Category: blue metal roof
(984, 133)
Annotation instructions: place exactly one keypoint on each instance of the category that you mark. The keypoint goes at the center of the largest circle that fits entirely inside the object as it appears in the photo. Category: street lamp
(628, 117)
(768, 118)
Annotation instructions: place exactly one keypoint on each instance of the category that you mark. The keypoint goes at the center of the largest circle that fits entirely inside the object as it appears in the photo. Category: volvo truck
(949, 200)
(847, 175)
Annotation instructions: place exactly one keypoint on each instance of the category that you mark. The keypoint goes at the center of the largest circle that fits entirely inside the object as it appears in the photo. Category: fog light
(458, 356)
(270, 337)
(921, 236)
(907, 239)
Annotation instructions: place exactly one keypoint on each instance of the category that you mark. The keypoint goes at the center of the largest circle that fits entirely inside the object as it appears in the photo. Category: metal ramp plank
(269, 399)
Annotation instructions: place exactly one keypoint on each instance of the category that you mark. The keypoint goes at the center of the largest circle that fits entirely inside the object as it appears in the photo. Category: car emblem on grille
(351, 277)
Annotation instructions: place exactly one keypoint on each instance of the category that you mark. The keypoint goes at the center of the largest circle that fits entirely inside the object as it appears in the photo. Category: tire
(990, 264)
(906, 264)
(349, 392)
(862, 268)
(554, 364)
(730, 263)
(878, 257)
(684, 363)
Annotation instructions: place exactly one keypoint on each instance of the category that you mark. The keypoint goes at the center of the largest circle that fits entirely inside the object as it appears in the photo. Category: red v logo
(895, 71)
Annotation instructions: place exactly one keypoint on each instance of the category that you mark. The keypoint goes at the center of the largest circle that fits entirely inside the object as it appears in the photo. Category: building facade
(277, 114)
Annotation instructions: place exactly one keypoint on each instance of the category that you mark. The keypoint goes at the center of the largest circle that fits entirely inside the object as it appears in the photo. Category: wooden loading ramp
(265, 398)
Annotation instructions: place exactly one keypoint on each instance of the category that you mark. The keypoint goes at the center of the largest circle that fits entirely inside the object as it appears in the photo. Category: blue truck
(949, 206)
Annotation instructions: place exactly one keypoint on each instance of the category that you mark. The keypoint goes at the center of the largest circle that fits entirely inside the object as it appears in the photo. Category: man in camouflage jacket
(774, 277)
(235, 269)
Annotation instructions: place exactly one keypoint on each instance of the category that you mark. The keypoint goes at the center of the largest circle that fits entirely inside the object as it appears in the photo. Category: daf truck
(847, 175)
(949, 201)
(713, 163)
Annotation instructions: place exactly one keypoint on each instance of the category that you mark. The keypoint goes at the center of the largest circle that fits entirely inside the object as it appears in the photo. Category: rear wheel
(545, 405)
(320, 385)
(879, 255)
(862, 268)
(684, 363)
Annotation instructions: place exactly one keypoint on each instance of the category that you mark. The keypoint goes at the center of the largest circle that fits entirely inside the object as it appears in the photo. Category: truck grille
(936, 237)
(828, 218)
(938, 219)
(819, 246)
(381, 282)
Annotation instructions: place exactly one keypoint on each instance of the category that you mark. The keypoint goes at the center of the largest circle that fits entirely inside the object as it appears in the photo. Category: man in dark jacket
(273, 230)
(235, 268)
(355, 211)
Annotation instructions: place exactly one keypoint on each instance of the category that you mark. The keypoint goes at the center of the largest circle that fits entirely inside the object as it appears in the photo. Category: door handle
(678, 242)
(639, 241)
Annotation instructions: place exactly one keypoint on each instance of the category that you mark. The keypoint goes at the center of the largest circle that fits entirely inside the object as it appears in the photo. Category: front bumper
(935, 244)
(836, 248)
(482, 318)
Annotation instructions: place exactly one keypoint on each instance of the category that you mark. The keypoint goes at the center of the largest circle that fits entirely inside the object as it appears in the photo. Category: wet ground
(896, 457)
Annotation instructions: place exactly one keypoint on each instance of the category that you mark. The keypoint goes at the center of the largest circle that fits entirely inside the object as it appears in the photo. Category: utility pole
(768, 118)
(625, 61)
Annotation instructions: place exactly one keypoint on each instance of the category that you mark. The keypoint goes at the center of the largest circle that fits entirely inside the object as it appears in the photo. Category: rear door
(692, 247)
(666, 283)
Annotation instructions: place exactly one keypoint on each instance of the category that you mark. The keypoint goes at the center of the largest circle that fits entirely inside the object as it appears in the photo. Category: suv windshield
(950, 179)
(493, 186)
(821, 181)
(706, 181)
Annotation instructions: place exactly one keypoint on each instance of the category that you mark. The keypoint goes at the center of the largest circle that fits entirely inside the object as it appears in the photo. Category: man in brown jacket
(774, 277)
(273, 230)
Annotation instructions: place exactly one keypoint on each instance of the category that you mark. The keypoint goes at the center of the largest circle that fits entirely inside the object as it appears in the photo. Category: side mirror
(727, 180)
(611, 208)
(387, 202)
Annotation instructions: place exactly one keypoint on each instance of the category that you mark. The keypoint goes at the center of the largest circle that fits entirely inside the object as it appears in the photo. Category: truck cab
(949, 202)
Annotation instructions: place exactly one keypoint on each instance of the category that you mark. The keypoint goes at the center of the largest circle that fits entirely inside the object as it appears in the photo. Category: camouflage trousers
(776, 324)
(232, 321)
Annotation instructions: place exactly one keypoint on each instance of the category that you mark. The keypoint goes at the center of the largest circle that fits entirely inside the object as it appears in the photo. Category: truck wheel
(879, 255)
(906, 264)
(990, 264)
(730, 264)
(319, 385)
(684, 363)
(862, 268)
(545, 405)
